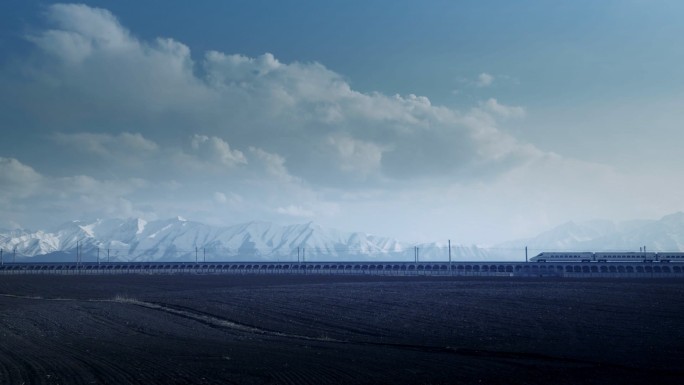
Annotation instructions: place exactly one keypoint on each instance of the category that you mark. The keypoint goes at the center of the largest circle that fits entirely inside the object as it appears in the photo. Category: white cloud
(82, 30)
(216, 150)
(229, 198)
(293, 111)
(484, 80)
(27, 194)
(493, 106)
(17, 179)
(120, 145)
(273, 164)
(147, 130)
(220, 197)
(297, 126)
(356, 156)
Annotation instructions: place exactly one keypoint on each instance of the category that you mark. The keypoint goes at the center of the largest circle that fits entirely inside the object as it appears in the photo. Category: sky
(473, 121)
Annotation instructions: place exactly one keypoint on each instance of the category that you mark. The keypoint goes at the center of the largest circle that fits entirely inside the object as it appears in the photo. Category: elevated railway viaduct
(473, 268)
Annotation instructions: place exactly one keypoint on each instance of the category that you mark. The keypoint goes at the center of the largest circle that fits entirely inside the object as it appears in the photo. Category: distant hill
(665, 234)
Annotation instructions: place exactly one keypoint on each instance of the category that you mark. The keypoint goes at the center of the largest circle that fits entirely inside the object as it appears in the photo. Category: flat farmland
(270, 329)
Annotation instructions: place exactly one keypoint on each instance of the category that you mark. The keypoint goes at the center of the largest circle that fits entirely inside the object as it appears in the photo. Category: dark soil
(134, 329)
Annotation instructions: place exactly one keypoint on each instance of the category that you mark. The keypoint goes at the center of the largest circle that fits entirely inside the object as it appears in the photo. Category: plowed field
(338, 330)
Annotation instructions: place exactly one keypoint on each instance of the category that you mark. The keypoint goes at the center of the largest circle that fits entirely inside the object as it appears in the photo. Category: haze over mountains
(664, 234)
(180, 240)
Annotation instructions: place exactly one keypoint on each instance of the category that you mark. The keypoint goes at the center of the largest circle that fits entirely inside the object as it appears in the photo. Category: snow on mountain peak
(141, 226)
(178, 239)
(88, 229)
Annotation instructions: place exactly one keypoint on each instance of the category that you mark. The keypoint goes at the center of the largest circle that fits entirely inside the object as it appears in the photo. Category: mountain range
(178, 239)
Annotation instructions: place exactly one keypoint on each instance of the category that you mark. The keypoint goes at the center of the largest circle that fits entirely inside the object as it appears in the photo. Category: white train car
(670, 257)
(563, 257)
(612, 256)
(624, 256)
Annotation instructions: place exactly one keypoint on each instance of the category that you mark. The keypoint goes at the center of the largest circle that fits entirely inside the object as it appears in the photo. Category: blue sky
(478, 121)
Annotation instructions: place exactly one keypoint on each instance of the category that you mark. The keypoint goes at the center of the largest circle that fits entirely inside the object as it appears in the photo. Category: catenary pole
(449, 256)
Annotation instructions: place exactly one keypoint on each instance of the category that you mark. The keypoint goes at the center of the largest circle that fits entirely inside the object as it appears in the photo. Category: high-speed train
(618, 256)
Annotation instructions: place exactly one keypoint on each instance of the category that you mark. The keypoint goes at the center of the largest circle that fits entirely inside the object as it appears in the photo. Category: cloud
(496, 108)
(119, 145)
(142, 127)
(484, 80)
(220, 197)
(82, 30)
(216, 150)
(356, 156)
(227, 198)
(26, 193)
(300, 114)
(17, 179)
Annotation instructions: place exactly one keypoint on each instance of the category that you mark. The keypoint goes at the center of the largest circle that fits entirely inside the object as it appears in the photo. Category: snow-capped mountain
(178, 239)
(665, 234)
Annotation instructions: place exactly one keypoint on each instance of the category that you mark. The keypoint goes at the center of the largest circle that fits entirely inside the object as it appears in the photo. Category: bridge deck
(483, 268)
